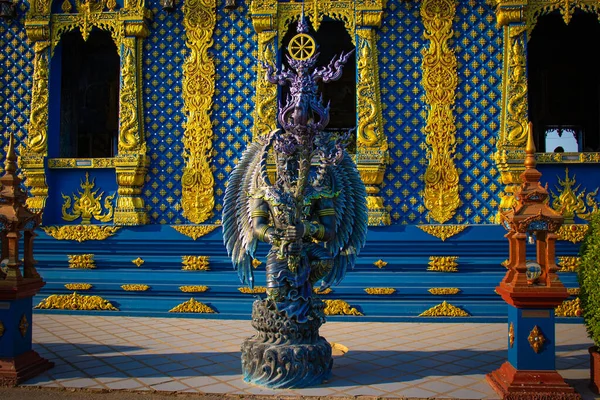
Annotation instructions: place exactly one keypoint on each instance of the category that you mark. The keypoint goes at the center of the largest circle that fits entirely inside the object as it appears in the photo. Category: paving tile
(123, 384)
(171, 386)
(199, 381)
(80, 383)
(417, 392)
(467, 394)
(154, 380)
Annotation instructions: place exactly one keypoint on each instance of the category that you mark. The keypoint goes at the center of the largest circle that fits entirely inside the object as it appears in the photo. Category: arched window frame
(361, 19)
(127, 25)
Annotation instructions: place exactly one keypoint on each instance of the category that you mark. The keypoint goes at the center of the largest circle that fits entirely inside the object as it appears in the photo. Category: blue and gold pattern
(16, 69)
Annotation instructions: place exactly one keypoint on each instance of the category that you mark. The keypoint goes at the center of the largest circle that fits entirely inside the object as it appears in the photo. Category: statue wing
(237, 221)
(351, 217)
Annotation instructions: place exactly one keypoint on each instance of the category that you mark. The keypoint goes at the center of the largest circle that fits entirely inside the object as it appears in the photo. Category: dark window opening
(332, 38)
(564, 84)
(89, 107)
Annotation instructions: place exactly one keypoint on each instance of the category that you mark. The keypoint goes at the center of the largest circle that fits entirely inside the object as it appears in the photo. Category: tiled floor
(203, 356)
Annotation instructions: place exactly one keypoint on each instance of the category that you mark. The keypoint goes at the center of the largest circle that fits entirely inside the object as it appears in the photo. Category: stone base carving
(285, 353)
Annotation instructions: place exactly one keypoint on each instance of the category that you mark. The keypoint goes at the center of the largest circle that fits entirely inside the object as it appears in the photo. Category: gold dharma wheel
(302, 46)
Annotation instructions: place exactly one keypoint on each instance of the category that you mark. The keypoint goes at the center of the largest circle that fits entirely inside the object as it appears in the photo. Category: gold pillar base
(131, 171)
(371, 167)
(35, 180)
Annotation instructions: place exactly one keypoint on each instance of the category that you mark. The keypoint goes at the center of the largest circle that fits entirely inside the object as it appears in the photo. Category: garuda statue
(314, 216)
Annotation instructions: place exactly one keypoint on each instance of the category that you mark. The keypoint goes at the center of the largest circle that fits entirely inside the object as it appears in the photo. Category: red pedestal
(594, 369)
(21, 368)
(513, 384)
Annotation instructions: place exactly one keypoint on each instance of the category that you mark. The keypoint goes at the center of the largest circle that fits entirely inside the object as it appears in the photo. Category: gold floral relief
(444, 291)
(440, 79)
(80, 233)
(192, 306)
(194, 231)
(1, 329)
(76, 301)
(87, 204)
(571, 202)
(380, 291)
(320, 292)
(197, 182)
(339, 307)
(443, 264)
(442, 231)
(444, 309)
(568, 263)
(254, 290)
(81, 261)
(23, 326)
(193, 288)
(78, 286)
(265, 112)
(536, 339)
(195, 263)
(537, 8)
(573, 233)
(515, 88)
(135, 287)
(569, 308)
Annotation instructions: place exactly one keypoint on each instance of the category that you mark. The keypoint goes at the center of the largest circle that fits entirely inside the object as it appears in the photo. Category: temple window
(564, 84)
(89, 100)
(332, 38)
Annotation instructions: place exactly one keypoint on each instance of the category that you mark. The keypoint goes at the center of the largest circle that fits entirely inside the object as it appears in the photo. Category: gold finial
(11, 157)
(530, 148)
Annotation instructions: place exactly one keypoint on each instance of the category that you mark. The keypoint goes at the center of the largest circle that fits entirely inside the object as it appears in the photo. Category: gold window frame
(128, 28)
(518, 18)
(361, 18)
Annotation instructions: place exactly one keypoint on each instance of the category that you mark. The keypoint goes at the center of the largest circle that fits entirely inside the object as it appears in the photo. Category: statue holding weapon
(314, 216)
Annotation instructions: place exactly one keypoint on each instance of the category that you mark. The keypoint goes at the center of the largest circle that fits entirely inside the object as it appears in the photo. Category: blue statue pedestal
(285, 353)
(18, 362)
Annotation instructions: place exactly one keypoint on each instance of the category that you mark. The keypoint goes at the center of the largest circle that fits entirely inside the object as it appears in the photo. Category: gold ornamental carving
(569, 308)
(323, 292)
(443, 264)
(440, 79)
(265, 112)
(339, 307)
(256, 263)
(78, 286)
(76, 301)
(81, 261)
(568, 158)
(568, 263)
(573, 291)
(444, 310)
(536, 339)
(197, 182)
(138, 262)
(192, 306)
(87, 204)
(573, 233)
(80, 233)
(511, 335)
(1, 329)
(127, 28)
(571, 202)
(444, 291)
(194, 231)
(80, 163)
(254, 290)
(195, 263)
(442, 231)
(135, 288)
(567, 8)
(193, 288)
(380, 264)
(23, 325)
(380, 291)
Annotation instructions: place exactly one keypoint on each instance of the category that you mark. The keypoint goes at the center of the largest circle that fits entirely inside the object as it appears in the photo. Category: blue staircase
(406, 249)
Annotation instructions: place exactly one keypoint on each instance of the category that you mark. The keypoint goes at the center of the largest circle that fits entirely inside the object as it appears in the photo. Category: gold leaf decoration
(568, 263)
(194, 231)
(570, 202)
(322, 292)
(339, 307)
(511, 335)
(75, 301)
(197, 182)
(444, 310)
(569, 308)
(81, 261)
(265, 112)
(78, 286)
(573, 291)
(442, 231)
(255, 290)
(380, 291)
(138, 262)
(66, 6)
(1, 329)
(87, 204)
(536, 339)
(440, 79)
(444, 291)
(574, 233)
(193, 288)
(256, 263)
(443, 264)
(80, 233)
(380, 264)
(195, 263)
(135, 287)
(23, 325)
(192, 306)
